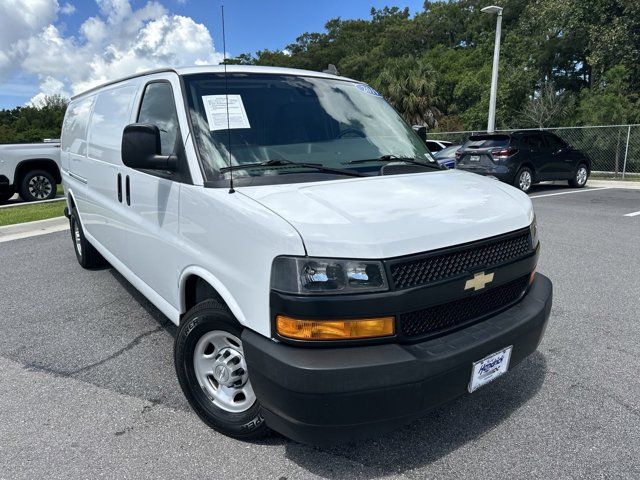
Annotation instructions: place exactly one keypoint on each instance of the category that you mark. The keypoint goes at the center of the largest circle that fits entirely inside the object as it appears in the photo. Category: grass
(603, 176)
(30, 212)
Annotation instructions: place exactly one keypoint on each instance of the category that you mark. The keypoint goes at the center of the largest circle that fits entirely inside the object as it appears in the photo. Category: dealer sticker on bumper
(489, 368)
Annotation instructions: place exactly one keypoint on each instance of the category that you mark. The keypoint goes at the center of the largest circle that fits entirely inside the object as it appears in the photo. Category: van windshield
(271, 121)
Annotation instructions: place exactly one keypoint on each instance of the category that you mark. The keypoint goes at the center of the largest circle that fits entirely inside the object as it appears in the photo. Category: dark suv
(524, 157)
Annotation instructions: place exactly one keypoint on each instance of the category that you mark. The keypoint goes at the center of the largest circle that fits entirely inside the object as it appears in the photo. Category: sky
(67, 46)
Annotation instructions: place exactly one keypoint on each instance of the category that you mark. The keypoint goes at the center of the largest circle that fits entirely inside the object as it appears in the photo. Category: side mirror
(141, 148)
(421, 130)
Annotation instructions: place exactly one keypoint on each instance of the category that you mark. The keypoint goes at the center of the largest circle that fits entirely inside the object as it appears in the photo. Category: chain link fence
(614, 150)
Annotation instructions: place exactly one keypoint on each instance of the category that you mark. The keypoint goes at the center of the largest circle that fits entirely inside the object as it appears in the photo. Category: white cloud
(49, 86)
(20, 19)
(119, 41)
(67, 9)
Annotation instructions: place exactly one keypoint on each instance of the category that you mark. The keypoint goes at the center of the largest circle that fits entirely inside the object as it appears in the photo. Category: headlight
(534, 233)
(317, 276)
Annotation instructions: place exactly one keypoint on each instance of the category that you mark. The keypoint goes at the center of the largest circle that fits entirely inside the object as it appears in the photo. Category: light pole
(491, 123)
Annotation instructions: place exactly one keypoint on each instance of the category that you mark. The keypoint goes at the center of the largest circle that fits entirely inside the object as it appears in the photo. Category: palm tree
(408, 84)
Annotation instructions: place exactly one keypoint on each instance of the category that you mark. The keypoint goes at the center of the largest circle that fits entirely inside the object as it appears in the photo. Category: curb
(32, 229)
(23, 204)
(614, 184)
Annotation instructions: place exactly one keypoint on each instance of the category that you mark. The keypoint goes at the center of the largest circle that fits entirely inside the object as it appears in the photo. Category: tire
(207, 333)
(524, 179)
(38, 185)
(4, 197)
(88, 257)
(580, 177)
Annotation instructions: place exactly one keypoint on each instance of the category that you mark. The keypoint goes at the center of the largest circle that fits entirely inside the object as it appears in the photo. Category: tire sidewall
(195, 325)
(24, 186)
(73, 221)
(517, 180)
(575, 176)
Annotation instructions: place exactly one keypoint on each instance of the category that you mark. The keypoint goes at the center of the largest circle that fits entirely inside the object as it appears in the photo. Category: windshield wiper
(281, 163)
(393, 158)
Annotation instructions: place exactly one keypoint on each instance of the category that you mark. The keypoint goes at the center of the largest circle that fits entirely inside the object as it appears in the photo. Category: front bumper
(325, 395)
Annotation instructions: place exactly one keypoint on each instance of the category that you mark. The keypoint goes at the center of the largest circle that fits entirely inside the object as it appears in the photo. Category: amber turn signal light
(335, 329)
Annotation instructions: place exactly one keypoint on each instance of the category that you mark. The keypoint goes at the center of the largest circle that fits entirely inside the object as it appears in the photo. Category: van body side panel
(235, 239)
(73, 147)
(104, 214)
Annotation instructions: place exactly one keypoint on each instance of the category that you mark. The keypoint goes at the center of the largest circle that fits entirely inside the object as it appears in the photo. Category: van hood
(395, 215)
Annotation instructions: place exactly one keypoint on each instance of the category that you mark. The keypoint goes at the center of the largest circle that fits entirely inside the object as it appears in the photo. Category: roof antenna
(226, 95)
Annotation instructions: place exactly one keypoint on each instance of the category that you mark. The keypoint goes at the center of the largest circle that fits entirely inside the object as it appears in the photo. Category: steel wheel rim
(581, 176)
(221, 371)
(40, 187)
(525, 180)
(77, 238)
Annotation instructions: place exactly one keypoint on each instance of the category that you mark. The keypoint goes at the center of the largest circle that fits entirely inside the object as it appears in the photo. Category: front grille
(447, 316)
(431, 268)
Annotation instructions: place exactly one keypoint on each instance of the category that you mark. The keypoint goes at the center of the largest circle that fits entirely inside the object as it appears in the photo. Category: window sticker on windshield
(215, 107)
(367, 89)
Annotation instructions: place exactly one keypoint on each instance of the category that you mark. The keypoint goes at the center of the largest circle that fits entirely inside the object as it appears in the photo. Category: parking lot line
(632, 214)
(572, 191)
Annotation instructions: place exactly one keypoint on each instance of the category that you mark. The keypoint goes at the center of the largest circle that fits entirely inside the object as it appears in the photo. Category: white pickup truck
(31, 169)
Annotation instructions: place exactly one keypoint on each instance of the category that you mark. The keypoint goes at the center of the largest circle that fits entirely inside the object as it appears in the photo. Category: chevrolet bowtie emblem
(479, 281)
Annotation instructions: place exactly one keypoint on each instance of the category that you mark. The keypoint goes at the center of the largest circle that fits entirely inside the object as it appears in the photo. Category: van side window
(158, 108)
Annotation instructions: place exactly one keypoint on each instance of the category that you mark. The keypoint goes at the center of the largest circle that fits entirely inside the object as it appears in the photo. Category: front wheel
(213, 374)
(38, 185)
(579, 180)
(524, 179)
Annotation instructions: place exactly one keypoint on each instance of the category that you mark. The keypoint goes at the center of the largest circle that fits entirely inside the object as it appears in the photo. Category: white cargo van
(328, 279)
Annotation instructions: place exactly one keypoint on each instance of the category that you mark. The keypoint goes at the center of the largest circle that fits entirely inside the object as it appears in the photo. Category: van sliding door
(104, 214)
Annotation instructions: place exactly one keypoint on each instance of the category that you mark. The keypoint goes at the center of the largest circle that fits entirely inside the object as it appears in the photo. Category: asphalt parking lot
(88, 388)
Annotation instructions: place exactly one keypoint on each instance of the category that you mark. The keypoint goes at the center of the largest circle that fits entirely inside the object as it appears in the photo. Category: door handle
(120, 188)
(127, 187)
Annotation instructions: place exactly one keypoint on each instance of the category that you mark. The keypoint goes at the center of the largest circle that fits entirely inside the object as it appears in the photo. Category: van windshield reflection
(268, 125)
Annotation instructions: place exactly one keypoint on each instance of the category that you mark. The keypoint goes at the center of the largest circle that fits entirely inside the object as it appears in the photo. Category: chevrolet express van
(329, 281)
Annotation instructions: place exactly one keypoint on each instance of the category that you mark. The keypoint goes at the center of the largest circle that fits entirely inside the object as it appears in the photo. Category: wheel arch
(197, 284)
(71, 201)
(31, 164)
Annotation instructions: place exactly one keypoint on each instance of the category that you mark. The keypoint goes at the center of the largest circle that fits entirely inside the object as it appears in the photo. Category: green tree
(32, 124)
(408, 84)
(610, 101)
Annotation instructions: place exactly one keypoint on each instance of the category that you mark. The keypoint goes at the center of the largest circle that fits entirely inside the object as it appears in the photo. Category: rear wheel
(38, 185)
(524, 179)
(213, 374)
(579, 180)
(87, 255)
